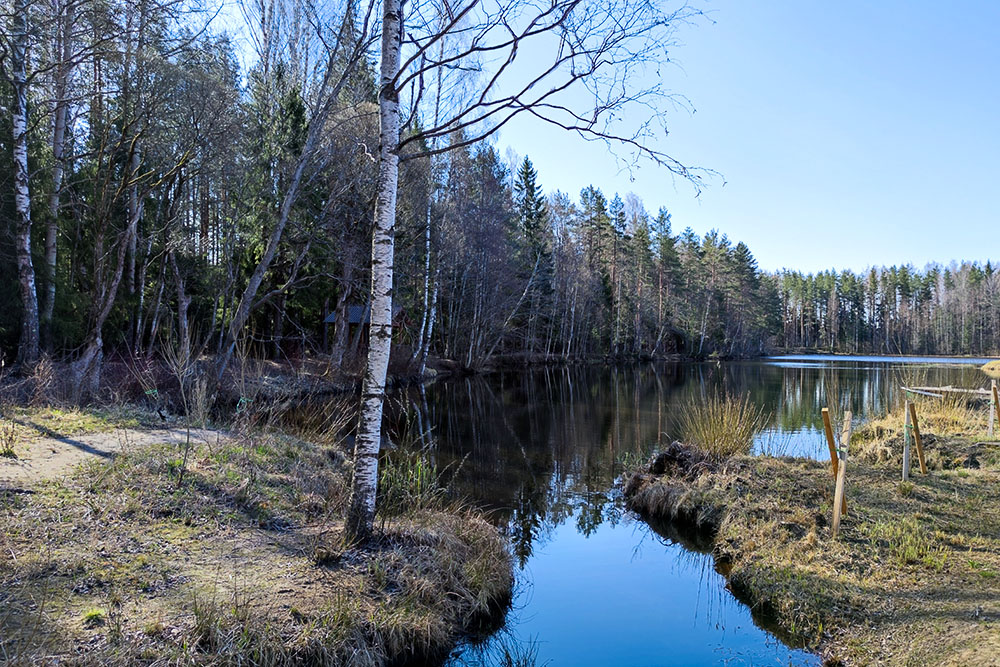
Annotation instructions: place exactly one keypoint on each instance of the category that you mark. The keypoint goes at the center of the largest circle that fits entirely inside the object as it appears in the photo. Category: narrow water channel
(541, 451)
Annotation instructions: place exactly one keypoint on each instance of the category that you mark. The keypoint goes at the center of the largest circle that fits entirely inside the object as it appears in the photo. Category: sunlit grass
(723, 426)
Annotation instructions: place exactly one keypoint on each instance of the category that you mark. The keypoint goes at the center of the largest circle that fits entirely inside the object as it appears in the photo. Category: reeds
(723, 426)
(409, 482)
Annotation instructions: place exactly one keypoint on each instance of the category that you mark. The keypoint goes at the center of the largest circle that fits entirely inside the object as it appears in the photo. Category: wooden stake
(906, 441)
(828, 427)
(994, 402)
(845, 442)
(916, 438)
(839, 501)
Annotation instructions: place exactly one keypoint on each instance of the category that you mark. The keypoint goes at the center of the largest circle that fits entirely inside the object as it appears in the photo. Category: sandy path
(52, 456)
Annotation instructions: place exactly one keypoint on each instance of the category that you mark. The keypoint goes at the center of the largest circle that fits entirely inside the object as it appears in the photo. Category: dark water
(540, 451)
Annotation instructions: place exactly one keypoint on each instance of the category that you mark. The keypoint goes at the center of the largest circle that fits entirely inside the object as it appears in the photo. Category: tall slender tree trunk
(64, 51)
(431, 319)
(28, 349)
(154, 312)
(341, 325)
(419, 356)
(183, 304)
(140, 312)
(361, 514)
(418, 348)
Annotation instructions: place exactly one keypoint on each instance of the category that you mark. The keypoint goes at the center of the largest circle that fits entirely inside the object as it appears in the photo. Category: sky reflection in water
(541, 450)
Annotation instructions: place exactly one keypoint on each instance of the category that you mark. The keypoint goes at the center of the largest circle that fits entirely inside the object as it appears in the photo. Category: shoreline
(914, 578)
(119, 561)
(809, 352)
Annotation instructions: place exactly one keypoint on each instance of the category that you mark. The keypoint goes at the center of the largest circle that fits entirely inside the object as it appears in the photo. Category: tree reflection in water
(540, 451)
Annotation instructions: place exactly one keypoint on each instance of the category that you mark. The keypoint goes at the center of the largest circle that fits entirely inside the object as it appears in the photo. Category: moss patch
(31, 423)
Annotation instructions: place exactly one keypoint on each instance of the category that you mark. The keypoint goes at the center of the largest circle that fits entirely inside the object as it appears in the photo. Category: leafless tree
(535, 57)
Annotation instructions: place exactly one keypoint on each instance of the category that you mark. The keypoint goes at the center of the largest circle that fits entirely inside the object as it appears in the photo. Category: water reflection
(540, 452)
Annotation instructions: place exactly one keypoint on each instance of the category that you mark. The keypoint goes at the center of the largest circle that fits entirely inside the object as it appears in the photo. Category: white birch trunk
(423, 340)
(418, 348)
(431, 319)
(29, 345)
(361, 514)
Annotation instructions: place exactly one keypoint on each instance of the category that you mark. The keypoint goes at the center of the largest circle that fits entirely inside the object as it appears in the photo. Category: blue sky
(848, 133)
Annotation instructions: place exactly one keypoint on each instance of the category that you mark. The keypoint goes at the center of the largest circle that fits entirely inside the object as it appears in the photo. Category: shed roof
(356, 312)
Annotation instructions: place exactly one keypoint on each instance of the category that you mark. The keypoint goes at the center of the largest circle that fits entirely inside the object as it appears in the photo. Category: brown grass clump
(243, 563)
(914, 578)
(992, 368)
(722, 426)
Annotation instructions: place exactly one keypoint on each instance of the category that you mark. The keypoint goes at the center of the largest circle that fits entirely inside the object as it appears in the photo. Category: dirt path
(52, 455)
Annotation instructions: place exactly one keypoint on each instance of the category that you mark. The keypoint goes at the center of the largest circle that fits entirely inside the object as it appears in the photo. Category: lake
(540, 451)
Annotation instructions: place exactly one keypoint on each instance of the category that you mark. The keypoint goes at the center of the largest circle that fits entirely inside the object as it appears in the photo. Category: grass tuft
(409, 482)
(8, 436)
(723, 426)
(94, 617)
(907, 542)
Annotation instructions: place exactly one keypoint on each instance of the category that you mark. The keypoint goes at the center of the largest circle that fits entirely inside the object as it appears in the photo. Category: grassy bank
(240, 562)
(914, 578)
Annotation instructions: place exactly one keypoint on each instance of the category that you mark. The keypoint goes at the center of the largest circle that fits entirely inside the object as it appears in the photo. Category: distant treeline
(951, 309)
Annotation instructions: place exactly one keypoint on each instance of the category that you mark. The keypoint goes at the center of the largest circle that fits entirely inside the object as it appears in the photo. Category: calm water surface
(540, 451)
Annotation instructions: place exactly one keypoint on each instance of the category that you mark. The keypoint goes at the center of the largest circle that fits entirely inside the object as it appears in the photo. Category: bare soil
(50, 455)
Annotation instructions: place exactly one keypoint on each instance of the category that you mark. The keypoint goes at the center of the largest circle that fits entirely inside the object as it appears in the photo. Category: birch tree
(597, 47)
(18, 45)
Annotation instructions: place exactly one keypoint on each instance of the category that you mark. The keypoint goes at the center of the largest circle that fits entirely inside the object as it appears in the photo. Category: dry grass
(914, 578)
(722, 426)
(244, 563)
(8, 439)
(952, 429)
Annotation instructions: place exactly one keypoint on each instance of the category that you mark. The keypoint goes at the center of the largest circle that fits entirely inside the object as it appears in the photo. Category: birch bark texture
(361, 515)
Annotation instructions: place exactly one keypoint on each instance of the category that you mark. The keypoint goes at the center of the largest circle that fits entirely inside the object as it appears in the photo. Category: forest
(303, 361)
(156, 190)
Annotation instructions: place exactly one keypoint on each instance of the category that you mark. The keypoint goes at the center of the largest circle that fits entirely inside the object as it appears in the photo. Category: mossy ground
(241, 562)
(22, 426)
(914, 578)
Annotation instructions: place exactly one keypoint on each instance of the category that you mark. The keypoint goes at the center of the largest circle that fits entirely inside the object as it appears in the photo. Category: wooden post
(994, 402)
(906, 441)
(828, 427)
(845, 443)
(916, 438)
(839, 501)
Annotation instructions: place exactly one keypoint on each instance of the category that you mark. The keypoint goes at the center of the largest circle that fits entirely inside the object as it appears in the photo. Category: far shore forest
(174, 198)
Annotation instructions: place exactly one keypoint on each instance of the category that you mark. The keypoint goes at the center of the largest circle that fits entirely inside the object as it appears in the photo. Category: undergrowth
(242, 561)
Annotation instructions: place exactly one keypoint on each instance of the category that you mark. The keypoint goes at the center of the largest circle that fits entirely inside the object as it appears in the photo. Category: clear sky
(849, 133)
